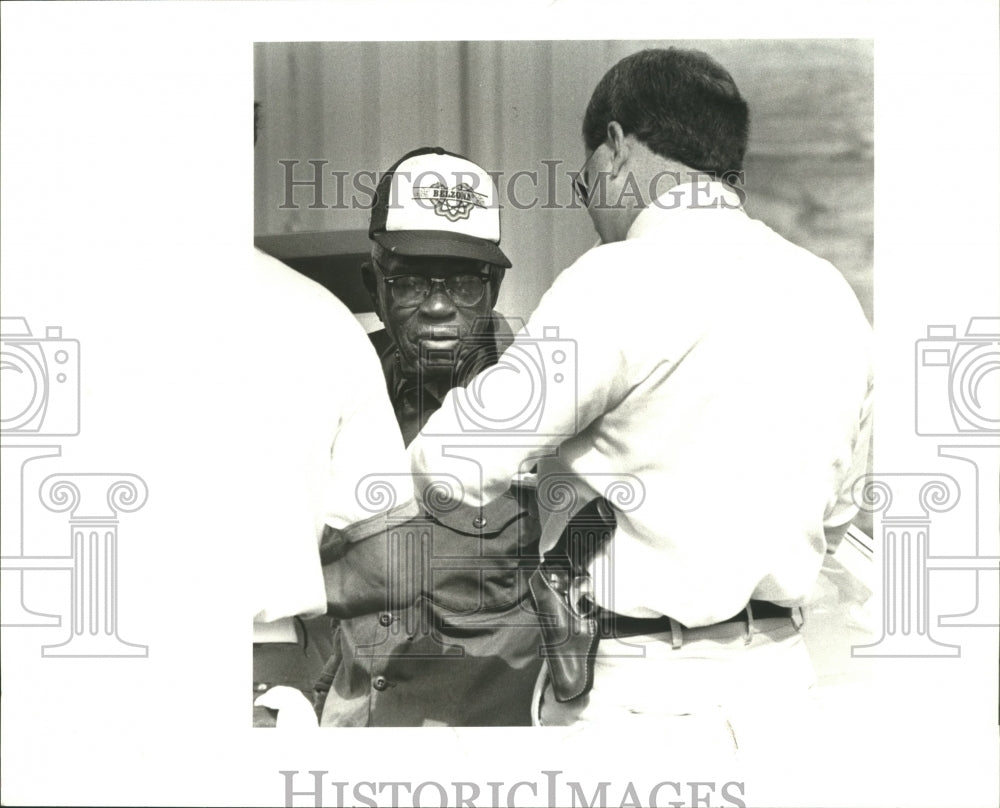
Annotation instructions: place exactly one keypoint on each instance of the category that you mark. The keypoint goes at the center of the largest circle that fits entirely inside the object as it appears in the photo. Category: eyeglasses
(412, 290)
(580, 187)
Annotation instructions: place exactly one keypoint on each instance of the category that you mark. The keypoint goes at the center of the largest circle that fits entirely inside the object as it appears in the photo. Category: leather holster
(569, 638)
(559, 589)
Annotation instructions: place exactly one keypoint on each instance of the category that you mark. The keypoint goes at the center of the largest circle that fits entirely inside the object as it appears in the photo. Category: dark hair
(681, 104)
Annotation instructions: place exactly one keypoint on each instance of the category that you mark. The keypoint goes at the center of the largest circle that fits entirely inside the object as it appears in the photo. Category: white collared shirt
(720, 370)
(327, 432)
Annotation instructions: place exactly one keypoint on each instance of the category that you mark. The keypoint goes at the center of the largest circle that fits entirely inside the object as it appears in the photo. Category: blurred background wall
(518, 106)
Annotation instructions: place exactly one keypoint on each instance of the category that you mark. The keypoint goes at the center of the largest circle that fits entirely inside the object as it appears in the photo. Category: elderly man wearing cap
(456, 643)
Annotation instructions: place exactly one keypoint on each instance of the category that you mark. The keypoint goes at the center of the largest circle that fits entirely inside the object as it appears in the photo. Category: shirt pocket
(477, 557)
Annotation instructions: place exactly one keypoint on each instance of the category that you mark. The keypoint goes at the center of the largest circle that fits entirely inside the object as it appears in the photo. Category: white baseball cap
(435, 203)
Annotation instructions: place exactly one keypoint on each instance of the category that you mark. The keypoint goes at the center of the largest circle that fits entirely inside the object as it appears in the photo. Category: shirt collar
(397, 383)
(683, 198)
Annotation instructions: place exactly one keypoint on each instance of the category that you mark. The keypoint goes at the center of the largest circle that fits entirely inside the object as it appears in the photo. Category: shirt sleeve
(843, 508)
(331, 452)
(369, 470)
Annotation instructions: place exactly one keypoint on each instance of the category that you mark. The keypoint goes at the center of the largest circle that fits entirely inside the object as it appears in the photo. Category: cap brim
(442, 244)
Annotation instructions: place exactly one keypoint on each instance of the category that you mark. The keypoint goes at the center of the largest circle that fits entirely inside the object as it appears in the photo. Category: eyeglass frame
(486, 276)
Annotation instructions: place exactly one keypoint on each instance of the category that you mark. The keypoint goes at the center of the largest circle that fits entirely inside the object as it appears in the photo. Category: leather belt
(572, 625)
(610, 624)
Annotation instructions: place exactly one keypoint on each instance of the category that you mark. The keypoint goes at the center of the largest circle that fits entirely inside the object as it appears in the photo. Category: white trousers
(717, 700)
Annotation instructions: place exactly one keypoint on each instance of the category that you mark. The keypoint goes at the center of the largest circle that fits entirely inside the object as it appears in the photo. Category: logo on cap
(452, 203)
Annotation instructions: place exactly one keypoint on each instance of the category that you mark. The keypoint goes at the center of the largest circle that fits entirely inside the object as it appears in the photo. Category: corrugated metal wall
(517, 106)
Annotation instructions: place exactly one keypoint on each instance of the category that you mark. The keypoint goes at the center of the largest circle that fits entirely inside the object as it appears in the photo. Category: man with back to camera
(463, 649)
(722, 370)
(339, 433)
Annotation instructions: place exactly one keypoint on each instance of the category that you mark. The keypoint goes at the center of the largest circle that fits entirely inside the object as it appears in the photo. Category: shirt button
(479, 521)
(385, 619)
(380, 683)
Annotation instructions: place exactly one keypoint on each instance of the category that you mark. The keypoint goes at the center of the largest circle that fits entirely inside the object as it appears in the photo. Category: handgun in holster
(560, 589)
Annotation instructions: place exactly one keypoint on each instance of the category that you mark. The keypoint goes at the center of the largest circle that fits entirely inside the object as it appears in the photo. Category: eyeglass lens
(411, 290)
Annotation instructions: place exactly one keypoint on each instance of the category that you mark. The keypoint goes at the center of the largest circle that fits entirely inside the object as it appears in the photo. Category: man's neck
(413, 405)
(654, 176)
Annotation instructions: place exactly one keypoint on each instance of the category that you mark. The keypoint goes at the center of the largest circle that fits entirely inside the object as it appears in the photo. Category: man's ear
(371, 286)
(619, 147)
